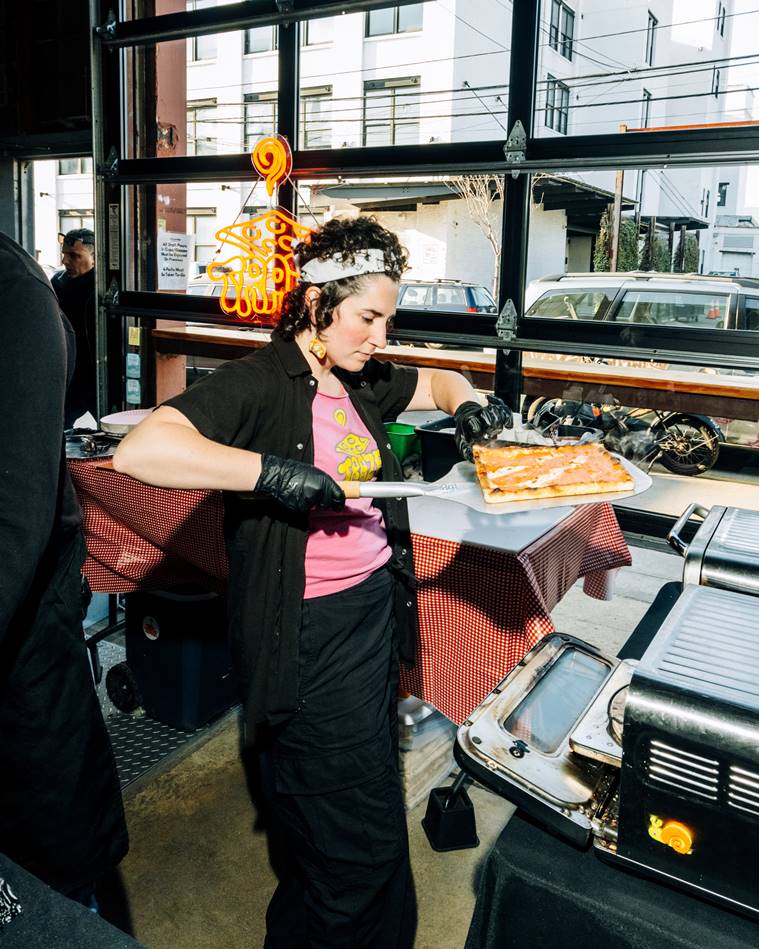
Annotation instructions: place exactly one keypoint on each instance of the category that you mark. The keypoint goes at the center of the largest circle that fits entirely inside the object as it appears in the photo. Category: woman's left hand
(475, 422)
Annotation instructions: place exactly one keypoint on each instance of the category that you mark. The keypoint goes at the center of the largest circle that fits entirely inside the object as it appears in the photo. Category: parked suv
(445, 296)
(642, 297)
(688, 300)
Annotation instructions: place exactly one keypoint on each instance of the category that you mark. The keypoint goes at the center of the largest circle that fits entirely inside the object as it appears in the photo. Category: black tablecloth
(48, 920)
(537, 891)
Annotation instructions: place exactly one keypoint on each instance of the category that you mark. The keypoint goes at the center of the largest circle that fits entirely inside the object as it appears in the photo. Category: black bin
(176, 647)
(439, 452)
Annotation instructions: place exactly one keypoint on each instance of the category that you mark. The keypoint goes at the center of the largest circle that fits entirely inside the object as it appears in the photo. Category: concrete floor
(197, 876)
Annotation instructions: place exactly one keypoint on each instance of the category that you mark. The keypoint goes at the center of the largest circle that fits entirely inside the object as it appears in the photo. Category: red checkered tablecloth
(480, 609)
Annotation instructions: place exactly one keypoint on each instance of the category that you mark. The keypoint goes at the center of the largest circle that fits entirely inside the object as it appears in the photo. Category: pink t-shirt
(343, 547)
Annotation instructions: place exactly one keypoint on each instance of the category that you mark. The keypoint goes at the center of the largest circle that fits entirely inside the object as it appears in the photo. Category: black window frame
(651, 39)
(119, 180)
(722, 187)
(562, 28)
(716, 72)
(395, 30)
(322, 93)
(557, 113)
(645, 114)
(269, 98)
(271, 48)
(408, 86)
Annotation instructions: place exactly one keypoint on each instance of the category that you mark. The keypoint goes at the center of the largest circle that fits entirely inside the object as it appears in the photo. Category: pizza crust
(523, 473)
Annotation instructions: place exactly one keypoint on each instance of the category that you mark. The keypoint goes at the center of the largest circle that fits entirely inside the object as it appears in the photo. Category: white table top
(448, 520)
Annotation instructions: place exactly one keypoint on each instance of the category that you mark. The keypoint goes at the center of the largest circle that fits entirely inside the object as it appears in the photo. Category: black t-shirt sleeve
(393, 386)
(225, 405)
(33, 361)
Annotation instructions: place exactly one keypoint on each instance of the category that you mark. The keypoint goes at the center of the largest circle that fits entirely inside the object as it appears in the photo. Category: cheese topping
(514, 469)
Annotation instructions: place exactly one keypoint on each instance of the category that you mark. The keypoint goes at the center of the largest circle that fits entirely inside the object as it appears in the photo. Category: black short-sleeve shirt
(263, 403)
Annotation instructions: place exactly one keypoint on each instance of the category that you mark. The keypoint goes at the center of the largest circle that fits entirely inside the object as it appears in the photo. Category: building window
(715, 82)
(651, 38)
(261, 39)
(722, 194)
(75, 166)
(260, 118)
(721, 10)
(557, 105)
(316, 31)
(705, 200)
(391, 111)
(315, 117)
(201, 48)
(201, 127)
(645, 112)
(73, 219)
(406, 19)
(201, 223)
(562, 28)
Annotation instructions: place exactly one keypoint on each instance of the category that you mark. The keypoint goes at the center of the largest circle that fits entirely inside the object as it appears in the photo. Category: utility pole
(615, 218)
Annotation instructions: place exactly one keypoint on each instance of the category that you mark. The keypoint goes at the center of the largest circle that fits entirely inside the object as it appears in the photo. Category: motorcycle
(685, 444)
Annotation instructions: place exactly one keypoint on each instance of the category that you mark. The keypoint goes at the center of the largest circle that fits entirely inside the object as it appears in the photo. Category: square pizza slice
(525, 473)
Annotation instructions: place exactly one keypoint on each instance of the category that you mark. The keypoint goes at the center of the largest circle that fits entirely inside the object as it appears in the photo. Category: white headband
(322, 271)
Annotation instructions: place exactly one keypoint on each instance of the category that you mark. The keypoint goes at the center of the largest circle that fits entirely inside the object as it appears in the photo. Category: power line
(667, 26)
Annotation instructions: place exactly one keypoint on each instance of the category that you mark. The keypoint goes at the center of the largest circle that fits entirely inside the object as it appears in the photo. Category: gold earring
(317, 347)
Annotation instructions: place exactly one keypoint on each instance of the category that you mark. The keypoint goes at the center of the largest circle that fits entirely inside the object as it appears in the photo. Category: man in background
(61, 815)
(75, 288)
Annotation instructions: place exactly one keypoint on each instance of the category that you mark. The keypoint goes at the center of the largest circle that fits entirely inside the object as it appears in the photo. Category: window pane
(641, 306)
(318, 31)
(410, 17)
(259, 40)
(591, 304)
(316, 118)
(68, 166)
(482, 297)
(380, 21)
(417, 296)
(699, 77)
(461, 61)
(201, 109)
(451, 296)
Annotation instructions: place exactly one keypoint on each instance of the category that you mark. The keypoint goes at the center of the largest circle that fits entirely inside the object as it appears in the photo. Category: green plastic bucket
(403, 440)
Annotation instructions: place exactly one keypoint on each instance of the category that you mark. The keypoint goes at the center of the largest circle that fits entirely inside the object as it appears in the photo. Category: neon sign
(255, 280)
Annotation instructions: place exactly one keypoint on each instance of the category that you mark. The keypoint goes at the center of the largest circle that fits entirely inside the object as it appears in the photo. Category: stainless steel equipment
(725, 550)
(656, 762)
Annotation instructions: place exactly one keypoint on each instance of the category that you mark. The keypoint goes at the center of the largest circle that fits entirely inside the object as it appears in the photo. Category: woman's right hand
(297, 485)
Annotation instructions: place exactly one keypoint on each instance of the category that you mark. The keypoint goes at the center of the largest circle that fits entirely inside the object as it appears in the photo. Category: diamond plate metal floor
(143, 747)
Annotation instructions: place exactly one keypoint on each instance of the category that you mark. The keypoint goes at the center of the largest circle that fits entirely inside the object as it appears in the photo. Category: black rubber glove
(475, 423)
(298, 486)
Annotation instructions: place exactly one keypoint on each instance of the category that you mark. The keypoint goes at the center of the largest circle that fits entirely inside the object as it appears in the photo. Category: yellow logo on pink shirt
(360, 464)
(340, 417)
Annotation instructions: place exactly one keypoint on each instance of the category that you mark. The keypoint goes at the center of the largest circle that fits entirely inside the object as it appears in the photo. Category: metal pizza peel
(461, 485)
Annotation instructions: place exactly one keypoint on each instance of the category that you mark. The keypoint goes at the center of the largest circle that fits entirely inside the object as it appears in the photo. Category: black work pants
(339, 837)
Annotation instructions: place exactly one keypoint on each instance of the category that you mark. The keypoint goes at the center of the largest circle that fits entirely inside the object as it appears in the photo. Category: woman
(320, 591)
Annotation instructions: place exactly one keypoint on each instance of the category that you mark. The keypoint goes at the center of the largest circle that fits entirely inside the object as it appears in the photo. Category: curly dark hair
(348, 237)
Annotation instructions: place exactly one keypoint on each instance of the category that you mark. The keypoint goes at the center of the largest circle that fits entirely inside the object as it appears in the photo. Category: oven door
(520, 740)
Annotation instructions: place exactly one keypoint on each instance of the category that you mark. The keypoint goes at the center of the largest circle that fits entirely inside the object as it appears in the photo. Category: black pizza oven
(656, 762)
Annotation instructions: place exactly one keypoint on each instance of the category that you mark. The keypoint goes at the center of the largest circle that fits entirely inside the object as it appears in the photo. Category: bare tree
(480, 192)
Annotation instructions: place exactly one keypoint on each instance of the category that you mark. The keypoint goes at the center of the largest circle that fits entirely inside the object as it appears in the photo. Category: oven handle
(673, 537)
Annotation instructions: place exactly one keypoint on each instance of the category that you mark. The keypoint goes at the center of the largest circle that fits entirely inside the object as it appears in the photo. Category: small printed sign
(174, 260)
(114, 238)
(133, 365)
(133, 391)
(134, 335)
